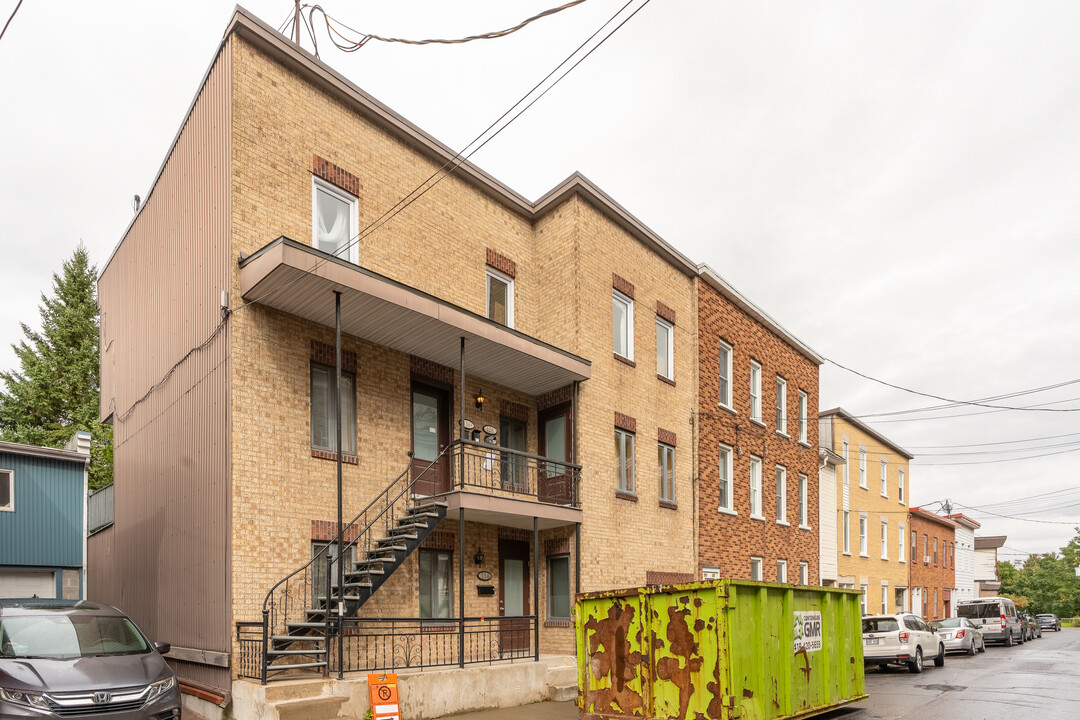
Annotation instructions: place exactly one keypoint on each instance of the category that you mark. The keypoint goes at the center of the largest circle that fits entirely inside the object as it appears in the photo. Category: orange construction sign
(382, 692)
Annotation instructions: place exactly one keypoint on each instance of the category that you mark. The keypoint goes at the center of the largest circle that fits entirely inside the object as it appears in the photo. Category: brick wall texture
(727, 542)
(937, 576)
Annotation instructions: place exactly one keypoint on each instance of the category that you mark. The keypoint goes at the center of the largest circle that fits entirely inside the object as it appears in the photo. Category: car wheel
(972, 649)
(982, 645)
(915, 665)
(883, 667)
(1023, 637)
(1008, 640)
(939, 661)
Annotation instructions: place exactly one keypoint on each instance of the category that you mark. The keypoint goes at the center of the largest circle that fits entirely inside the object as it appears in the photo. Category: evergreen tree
(56, 391)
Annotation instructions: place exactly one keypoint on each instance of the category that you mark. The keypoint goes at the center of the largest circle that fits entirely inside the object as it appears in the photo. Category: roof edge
(43, 452)
(933, 517)
(844, 414)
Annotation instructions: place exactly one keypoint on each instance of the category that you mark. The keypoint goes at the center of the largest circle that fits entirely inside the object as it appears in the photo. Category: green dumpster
(718, 650)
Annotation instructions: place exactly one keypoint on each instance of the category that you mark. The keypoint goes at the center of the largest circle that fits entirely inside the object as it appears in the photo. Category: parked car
(80, 660)
(996, 618)
(1033, 629)
(1048, 621)
(900, 639)
(959, 635)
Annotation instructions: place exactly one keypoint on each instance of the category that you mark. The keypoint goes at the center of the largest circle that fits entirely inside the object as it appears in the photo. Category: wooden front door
(513, 596)
(556, 444)
(430, 436)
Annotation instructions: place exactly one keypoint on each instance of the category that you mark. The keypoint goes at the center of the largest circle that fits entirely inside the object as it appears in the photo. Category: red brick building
(933, 564)
(757, 449)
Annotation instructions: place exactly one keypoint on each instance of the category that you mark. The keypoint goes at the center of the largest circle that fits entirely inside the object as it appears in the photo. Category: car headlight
(26, 699)
(160, 688)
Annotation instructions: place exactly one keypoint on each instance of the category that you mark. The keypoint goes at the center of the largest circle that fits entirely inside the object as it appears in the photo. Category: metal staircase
(299, 611)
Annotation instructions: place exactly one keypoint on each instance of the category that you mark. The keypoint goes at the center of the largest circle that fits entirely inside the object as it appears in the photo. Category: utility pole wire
(19, 5)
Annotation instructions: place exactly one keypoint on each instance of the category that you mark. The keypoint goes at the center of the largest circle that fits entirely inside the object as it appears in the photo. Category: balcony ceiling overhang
(300, 280)
(510, 512)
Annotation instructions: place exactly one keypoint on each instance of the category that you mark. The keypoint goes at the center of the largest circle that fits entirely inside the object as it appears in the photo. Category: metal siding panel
(46, 527)
(160, 298)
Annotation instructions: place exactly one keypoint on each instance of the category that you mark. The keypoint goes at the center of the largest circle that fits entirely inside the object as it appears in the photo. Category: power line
(990, 462)
(931, 408)
(999, 442)
(1023, 519)
(19, 5)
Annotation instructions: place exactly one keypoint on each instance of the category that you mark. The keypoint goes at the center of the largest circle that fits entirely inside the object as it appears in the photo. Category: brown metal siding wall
(160, 297)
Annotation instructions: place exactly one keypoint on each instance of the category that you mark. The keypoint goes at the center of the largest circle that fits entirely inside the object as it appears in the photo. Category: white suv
(901, 639)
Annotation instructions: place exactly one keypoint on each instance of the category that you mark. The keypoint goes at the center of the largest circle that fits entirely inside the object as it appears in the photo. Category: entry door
(555, 443)
(513, 596)
(430, 436)
(513, 467)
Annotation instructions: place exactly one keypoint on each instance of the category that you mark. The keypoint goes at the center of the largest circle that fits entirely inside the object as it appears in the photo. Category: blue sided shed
(43, 519)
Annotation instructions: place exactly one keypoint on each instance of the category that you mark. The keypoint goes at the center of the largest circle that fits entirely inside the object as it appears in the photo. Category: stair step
(366, 571)
(406, 523)
(418, 514)
(300, 638)
(297, 666)
(304, 625)
(322, 599)
(358, 584)
(296, 652)
(383, 546)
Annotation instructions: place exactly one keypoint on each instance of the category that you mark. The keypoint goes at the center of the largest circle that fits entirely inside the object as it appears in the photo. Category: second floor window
(664, 349)
(755, 391)
(884, 478)
(804, 520)
(862, 467)
(900, 539)
(723, 483)
(324, 411)
(803, 402)
(862, 535)
(900, 484)
(781, 494)
(884, 540)
(500, 298)
(622, 321)
(781, 405)
(624, 451)
(755, 487)
(665, 466)
(724, 357)
(847, 532)
(334, 217)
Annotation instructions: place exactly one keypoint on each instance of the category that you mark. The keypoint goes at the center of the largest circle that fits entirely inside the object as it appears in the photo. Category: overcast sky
(896, 183)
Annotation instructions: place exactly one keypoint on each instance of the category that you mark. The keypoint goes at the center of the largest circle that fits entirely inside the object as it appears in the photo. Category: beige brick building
(872, 490)
(562, 332)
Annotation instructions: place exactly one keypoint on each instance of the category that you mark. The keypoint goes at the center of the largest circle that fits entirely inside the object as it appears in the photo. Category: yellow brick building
(872, 491)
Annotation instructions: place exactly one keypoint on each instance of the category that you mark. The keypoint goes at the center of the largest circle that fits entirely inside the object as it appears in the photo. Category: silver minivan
(996, 617)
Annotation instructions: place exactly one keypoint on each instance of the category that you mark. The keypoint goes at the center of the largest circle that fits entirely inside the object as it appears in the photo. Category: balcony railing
(494, 470)
(99, 509)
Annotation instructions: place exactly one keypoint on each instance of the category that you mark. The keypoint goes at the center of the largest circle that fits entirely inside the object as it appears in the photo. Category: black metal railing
(399, 643)
(494, 470)
(249, 639)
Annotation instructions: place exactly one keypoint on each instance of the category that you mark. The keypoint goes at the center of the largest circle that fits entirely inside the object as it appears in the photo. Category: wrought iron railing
(249, 639)
(399, 643)
(494, 470)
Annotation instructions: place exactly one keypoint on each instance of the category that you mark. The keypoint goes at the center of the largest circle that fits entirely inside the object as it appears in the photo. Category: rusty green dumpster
(718, 650)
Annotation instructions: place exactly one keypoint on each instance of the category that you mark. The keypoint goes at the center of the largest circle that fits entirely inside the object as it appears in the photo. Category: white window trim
(668, 450)
(804, 502)
(730, 404)
(862, 468)
(884, 478)
(846, 450)
(10, 474)
(781, 565)
(630, 486)
(781, 406)
(489, 274)
(629, 302)
(884, 597)
(884, 539)
(755, 392)
(755, 480)
(804, 573)
(900, 549)
(864, 530)
(781, 495)
(728, 470)
(900, 486)
(354, 214)
(846, 530)
(670, 374)
(710, 573)
(759, 563)
(804, 421)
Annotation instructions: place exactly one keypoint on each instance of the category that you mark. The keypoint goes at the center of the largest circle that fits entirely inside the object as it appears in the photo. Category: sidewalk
(537, 711)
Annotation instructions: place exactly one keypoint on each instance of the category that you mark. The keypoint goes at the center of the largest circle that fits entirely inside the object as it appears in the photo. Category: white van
(996, 617)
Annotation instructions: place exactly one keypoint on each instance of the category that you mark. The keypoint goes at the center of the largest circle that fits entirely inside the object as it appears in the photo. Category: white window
(803, 501)
(755, 568)
(900, 538)
(900, 484)
(665, 468)
(624, 451)
(884, 539)
(781, 571)
(781, 494)
(862, 536)
(846, 464)
(437, 583)
(665, 349)
(558, 595)
(7, 490)
(755, 488)
(710, 573)
(333, 221)
(781, 405)
(500, 297)
(324, 413)
(862, 467)
(755, 391)
(804, 573)
(622, 320)
(884, 598)
(723, 482)
(884, 478)
(847, 532)
(725, 374)
(862, 600)
(803, 401)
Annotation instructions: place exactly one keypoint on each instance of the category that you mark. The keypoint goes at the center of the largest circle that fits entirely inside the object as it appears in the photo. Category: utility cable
(12, 17)
(1022, 519)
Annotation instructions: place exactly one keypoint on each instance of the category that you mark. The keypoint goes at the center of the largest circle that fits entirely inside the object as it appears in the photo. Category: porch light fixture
(479, 557)
(480, 400)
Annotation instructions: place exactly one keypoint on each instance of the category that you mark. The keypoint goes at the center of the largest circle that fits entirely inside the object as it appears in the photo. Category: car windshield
(1045, 617)
(979, 610)
(879, 625)
(69, 636)
(946, 623)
